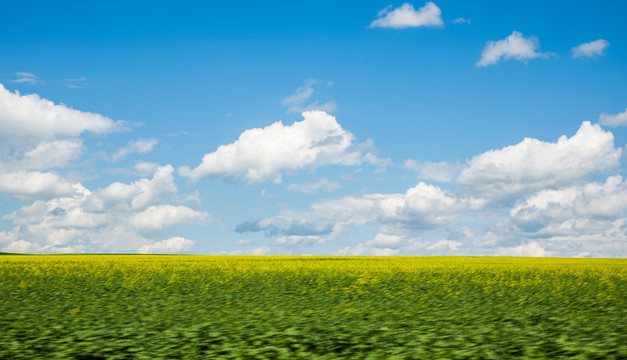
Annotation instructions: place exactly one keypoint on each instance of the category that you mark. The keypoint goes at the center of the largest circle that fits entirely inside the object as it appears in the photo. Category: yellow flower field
(247, 307)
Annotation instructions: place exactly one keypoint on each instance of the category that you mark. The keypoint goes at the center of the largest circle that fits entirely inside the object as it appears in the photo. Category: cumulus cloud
(298, 241)
(118, 218)
(425, 206)
(590, 49)
(578, 209)
(534, 164)
(300, 100)
(139, 146)
(542, 184)
(325, 218)
(450, 244)
(262, 250)
(588, 219)
(264, 154)
(514, 46)
(385, 244)
(145, 168)
(421, 208)
(406, 16)
(173, 245)
(361, 249)
(619, 119)
(532, 249)
(28, 185)
(30, 115)
(22, 247)
(50, 154)
(386, 241)
(136, 195)
(39, 135)
(158, 217)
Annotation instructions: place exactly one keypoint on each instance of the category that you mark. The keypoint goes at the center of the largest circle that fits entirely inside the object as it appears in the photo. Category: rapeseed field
(272, 307)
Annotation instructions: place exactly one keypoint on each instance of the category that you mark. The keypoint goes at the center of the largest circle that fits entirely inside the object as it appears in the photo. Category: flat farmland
(276, 307)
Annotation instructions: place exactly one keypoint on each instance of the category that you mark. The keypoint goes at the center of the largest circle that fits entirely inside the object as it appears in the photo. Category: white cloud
(406, 16)
(50, 154)
(263, 250)
(384, 252)
(112, 218)
(173, 245)
(383, 240)
(450, 244)
(8, 237)
(25, 77)
(574, 210)
(362, 249)
(298, 241)
(619, 119)
(243, 242)
(425, 206)
(514, 46)
(532, 249)
(570, 217)
(325, 218)
(75, 83)
(22, 247)
(145, 168)
(36, 134)
(590, 49)
(313, 187)
(302, 94)
(139, 146)
(136, 195)
(30, 115)
(27, 185)
(461, 20)
(328, 107)
(300, 100)
(264, 154)
(533, 164)
(158, 217)
(421, 208)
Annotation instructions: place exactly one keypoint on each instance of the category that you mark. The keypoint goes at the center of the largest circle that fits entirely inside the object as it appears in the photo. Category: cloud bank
(39, 141)
(117, 218)
(528, 199)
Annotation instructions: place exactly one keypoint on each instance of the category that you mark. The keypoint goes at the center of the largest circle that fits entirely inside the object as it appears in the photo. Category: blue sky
(360, 128)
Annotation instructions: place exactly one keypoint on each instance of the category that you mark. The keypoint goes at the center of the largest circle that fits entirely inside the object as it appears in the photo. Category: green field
(211, 307)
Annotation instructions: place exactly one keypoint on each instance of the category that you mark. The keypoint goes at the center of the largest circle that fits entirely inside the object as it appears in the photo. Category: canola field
(271, 307)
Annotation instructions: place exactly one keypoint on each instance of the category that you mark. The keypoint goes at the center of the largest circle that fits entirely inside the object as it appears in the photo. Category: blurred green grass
(205, 307)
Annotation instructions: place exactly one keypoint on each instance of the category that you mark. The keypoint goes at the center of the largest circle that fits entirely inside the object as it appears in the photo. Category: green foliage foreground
(197, 307)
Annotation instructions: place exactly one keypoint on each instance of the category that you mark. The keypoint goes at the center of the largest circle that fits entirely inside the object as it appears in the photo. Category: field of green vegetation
(211, 307)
